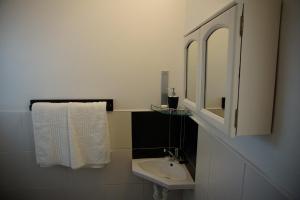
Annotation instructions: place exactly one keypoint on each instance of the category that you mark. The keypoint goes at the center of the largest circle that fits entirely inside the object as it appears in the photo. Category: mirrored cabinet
(230, 67)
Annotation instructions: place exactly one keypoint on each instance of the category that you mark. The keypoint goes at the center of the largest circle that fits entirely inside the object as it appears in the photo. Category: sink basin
(169, 174)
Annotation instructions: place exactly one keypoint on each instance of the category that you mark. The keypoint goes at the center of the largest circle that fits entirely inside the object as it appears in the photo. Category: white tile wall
(226, 173)
(119, 170)
(256, 187)
(12, 167)
(123, 191)
(120, 129)
(22, 179)
(10, 138)
(86, 193)
(56, 177)
(203, 166)
(222, 174)
(26, 133)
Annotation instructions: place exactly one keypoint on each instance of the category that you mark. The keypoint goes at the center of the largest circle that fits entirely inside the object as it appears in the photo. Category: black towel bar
(109, 102)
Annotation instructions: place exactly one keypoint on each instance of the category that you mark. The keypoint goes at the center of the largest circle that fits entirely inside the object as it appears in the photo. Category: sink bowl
(162, 171)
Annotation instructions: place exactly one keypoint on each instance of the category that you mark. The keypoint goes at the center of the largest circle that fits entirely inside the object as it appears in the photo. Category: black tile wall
(150, 135)
(189, 149)
(149, 130)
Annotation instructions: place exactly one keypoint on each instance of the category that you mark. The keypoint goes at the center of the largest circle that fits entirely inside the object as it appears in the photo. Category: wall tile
(26, 133)
(222, 174)
(86, 178)
(203, 165)
(119, 170)
(11, 194)
(256, 187)
(150, 152)
(48, 194)
(44, 194)
(21, 178)
(10, 127)
(33, 194)
(190, 138)
(86, 194)
(12, 170)
(123, 192)
(55, 177)
(226, 173)
(149, 130)
(120, 129)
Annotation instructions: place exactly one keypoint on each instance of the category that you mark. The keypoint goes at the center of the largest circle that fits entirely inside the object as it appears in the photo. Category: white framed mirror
(191, 70)
(191, 81)
(237, 68)
(217, 70)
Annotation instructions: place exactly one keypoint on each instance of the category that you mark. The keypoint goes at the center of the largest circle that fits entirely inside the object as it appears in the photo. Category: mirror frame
(193, 37)
(225, 20)
(204, 46)
(205, 96)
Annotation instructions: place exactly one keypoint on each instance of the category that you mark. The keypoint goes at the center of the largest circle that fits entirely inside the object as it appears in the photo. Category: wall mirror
(192, 56)
(216, 71)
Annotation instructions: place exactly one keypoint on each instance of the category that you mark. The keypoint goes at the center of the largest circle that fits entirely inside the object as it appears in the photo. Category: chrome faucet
(173, 157)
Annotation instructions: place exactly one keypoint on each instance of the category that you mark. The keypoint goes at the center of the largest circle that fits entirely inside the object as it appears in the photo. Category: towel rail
(109, 102)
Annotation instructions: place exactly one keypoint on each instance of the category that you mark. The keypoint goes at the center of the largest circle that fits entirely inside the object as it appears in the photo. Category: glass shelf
(171, 111)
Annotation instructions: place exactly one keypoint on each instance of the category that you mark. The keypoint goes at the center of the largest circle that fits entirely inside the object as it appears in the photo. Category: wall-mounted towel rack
(109, 102)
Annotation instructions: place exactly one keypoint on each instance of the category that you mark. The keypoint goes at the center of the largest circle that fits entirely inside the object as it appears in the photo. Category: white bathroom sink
(169, 174)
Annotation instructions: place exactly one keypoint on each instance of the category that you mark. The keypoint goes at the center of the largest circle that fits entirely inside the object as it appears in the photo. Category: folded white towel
(50, 129)
(88, 134)
(71, 134)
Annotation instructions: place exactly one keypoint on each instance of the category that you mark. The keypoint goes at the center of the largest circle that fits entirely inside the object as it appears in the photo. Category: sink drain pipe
(160, 193)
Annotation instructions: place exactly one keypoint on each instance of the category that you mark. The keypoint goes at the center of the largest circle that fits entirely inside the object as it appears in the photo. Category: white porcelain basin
(161, 171)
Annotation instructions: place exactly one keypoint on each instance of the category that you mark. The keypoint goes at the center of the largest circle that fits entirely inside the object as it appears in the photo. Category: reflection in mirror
(191, 71)
(216, 71)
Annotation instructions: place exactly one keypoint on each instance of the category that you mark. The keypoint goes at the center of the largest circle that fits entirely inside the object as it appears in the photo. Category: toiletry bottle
(173, 99)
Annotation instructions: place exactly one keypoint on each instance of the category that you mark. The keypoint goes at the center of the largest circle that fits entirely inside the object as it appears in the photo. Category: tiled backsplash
(189, 147)
(22, 179)
(151, 132)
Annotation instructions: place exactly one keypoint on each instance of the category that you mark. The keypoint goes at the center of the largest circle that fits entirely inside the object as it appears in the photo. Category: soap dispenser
(173, 99)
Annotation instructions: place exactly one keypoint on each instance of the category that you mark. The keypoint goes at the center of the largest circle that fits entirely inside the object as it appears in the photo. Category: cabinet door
(218, 50)
(258, 66)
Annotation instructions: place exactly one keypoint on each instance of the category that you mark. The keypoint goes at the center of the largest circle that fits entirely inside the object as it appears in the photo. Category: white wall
(89, 49)
(276, 157)
(82, 49)
(198, 10)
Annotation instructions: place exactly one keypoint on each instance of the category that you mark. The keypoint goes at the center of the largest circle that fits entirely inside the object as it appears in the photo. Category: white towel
(50, 127)
(88, 134)
(71, 134)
